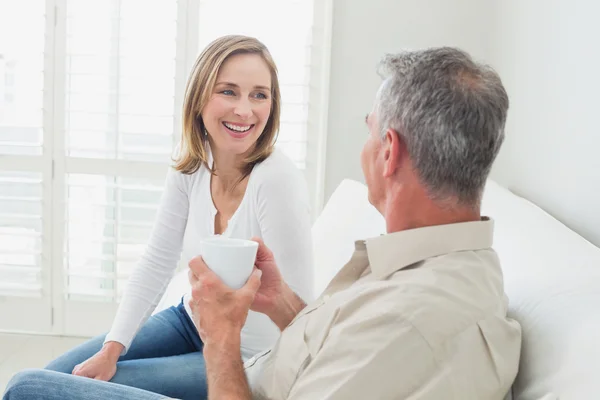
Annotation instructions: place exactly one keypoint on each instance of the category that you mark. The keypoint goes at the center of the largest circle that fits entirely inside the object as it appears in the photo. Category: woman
(227, 180)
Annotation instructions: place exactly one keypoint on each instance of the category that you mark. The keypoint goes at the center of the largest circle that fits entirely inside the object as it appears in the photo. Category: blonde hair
(193, 149)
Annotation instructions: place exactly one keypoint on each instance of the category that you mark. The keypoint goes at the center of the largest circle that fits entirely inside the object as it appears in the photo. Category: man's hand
(272, 284)
(274, 297)
(219, 311)
(219, 314)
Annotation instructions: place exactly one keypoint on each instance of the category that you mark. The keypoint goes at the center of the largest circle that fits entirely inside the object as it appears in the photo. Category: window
(90, 101)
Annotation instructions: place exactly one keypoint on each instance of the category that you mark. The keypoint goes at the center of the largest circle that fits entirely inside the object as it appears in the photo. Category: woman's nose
(243, 109)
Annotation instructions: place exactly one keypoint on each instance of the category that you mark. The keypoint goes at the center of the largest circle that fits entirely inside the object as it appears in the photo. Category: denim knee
(24, 385)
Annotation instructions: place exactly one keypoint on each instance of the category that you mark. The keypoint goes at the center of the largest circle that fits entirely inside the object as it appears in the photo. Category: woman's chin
(238, 148)
(235, 145)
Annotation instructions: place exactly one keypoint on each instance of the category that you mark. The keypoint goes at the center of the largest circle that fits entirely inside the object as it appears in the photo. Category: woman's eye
(227, 92)
(261, 96)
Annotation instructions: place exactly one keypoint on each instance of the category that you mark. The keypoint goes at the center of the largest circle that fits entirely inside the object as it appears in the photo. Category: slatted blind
(108, 223)
(120, 105)
(20, 233)
(21, 76)
(21, 133)
(120, 74)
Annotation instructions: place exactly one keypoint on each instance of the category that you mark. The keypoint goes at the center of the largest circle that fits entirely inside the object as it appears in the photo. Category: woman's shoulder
(276, 167)
(279, 176)
(186, 181)
(176, 155)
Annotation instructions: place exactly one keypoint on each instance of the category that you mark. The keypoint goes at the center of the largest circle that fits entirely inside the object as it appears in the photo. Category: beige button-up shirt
(417, 314)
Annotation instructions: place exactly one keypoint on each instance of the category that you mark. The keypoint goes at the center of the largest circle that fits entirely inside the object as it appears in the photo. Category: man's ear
(394, 150)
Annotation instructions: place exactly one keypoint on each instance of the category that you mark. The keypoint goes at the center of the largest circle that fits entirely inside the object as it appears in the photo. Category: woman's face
(240, 104)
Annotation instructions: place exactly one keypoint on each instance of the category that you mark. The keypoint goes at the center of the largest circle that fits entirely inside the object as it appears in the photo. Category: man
(417, 313)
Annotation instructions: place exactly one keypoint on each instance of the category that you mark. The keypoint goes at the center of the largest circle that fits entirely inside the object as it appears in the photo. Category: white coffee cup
(231, 259)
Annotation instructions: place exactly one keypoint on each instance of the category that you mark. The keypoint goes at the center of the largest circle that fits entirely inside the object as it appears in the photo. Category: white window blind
(24, 180)
(120, 106)
(20, 233)
(109, 221)
(90, 109)
(21, 77)
(120, 78)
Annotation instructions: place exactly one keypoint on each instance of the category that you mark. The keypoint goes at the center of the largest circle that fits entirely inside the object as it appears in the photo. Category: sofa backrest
(346, 217)
(552, 278)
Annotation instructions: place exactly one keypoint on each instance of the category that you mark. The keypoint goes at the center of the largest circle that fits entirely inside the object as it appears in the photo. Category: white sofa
(552, 277)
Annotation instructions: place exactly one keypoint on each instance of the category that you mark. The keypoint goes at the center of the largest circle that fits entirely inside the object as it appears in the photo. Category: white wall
(363, 30)
(548, 54)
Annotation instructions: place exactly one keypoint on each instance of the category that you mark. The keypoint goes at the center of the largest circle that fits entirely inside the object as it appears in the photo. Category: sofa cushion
(346, 217)
(552, 278)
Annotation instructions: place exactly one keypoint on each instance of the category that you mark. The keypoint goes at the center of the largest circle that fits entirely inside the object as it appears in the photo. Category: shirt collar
(395, 251)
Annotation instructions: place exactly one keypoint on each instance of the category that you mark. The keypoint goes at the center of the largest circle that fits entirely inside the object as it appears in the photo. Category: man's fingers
(198, 266)
(192, 278)
(263, 253)
(253, 283)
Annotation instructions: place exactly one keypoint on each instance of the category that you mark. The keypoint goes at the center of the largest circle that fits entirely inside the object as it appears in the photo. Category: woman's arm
(285, 222)
(151, 277)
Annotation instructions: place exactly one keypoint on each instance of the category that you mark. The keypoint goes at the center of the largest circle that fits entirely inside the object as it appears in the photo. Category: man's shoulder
(441, 295)
(445, 295)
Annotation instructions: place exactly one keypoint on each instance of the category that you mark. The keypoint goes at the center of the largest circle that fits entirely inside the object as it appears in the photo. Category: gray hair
(451, 112)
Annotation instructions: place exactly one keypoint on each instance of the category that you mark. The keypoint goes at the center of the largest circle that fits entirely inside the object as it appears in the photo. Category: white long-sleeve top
(275, 207)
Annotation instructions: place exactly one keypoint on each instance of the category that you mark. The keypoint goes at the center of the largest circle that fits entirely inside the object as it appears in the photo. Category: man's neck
(405, 210)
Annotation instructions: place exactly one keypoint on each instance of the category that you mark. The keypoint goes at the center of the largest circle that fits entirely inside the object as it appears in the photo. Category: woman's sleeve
(157, 265)
(285, 222)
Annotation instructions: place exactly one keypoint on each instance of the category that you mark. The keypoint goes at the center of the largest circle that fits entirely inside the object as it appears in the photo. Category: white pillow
(552, 278)
(347, 217)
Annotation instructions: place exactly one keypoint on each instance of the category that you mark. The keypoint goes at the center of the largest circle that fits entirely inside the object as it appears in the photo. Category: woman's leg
(181, 377)
(167, 333)
(66, 362)
(164, 357)
(50, 385)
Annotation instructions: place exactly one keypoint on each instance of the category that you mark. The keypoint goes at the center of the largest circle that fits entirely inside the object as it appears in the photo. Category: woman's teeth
(237, 128)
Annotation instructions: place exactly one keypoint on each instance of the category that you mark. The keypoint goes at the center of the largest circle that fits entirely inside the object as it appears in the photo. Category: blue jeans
(165, 357)
(41, 384)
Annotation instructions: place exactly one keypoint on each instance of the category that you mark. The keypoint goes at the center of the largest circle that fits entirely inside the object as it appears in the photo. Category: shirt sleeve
(157, 265)
(370, 354)
(285, 222)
